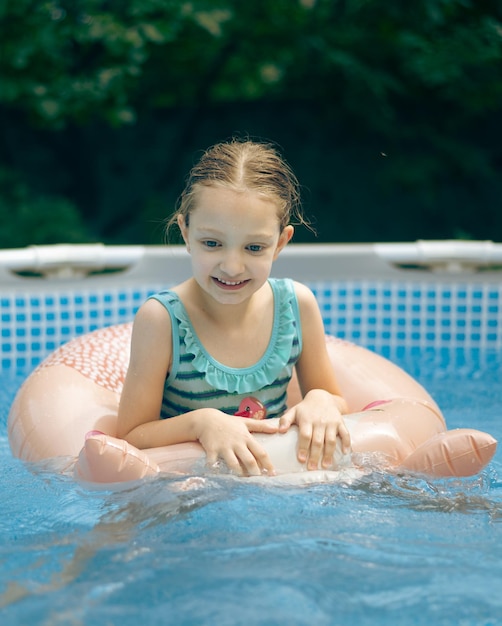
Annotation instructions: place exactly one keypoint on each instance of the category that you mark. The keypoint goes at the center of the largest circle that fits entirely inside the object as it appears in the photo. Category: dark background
(389, 113)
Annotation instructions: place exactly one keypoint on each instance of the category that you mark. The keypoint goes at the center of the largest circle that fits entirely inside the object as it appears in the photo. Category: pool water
(383, 549)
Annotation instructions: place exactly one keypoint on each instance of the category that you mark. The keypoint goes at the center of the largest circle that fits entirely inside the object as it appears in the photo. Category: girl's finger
(330, 440)
(304, 442)
(316, 446)
(262, 459)
(211, 458)
(286, 420)
(268, 426)
(232, 461)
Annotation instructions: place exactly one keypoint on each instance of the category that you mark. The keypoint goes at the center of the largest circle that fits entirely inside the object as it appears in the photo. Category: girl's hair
(244, 165)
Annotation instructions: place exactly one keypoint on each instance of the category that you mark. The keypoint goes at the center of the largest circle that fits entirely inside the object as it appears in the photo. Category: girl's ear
(182, 225)
(284, 239)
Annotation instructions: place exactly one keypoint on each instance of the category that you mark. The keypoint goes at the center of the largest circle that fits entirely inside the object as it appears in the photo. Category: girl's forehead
(207, 194)
(226, 205)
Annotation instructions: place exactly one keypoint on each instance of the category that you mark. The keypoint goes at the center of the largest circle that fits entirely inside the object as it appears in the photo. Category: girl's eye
(255, 247)
(209, 243)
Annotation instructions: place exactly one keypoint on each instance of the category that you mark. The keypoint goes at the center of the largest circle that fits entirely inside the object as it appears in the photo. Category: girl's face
(233, 239)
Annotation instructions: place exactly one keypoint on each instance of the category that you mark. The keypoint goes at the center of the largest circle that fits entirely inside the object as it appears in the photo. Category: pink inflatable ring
(68, 408)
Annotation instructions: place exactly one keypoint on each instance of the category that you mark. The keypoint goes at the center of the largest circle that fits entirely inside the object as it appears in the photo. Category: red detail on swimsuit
(102, 356)
(253, 408)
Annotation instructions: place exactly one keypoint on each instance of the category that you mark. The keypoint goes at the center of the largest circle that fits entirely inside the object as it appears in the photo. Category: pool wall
(387, 297)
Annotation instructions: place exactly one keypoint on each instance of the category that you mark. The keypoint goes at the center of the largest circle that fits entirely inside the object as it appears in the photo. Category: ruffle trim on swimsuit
(248, 379)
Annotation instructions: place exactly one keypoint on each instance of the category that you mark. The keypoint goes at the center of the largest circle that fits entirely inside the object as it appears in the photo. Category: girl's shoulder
(298, 294)
(152, 316)
(151, 335)
(173, 300)
(288, 285)
(308, 306)
(304, 294)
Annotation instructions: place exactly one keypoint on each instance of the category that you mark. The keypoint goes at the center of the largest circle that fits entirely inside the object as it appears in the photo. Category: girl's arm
(319, 414)
(222, 436)
(150, 360)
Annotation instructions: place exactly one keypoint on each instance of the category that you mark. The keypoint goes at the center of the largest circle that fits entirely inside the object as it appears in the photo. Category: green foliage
(415, 77)
(76, 59)
(71, 60)
(29, 220)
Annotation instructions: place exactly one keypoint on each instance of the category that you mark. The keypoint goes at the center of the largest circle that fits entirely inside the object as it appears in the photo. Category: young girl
(230, 335)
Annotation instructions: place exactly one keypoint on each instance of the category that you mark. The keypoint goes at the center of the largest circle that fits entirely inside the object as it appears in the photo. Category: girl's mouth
(230, 285)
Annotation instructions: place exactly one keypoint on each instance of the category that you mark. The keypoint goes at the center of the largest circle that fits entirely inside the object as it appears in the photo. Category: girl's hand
(319, 423)
(229, 438)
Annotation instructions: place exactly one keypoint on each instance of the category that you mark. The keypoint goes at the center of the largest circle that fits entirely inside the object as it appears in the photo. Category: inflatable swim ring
(68, 407)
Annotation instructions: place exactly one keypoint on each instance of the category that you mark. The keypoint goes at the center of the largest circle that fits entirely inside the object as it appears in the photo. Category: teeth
(230, 283)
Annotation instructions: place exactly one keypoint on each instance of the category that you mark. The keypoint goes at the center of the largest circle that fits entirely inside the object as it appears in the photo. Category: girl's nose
(232, 263)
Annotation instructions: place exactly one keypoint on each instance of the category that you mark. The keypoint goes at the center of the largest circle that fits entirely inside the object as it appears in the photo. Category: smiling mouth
(230, 284)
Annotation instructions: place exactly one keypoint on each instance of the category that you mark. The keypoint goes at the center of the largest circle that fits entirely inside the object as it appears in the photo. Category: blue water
(215, 550)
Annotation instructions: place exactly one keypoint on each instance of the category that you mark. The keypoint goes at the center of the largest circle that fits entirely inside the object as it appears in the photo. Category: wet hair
(244, 166)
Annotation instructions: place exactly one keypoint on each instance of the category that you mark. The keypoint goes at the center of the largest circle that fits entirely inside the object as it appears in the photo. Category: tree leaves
(416, 78)
(78, 59)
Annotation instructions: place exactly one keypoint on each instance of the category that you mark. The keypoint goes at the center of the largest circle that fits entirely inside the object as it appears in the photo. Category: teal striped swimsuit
(196, 380)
